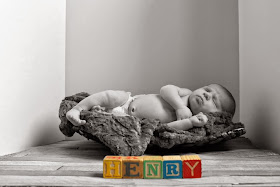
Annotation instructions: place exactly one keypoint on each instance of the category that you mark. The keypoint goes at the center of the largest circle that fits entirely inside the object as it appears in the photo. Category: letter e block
(112, 167)
(191, 166)
(152, 167)
(132, 167)
(172, 167)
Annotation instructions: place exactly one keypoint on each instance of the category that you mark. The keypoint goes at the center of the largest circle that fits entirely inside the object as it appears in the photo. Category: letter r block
(132, 167)
(112, 167)
(152, 167)
(191, 166)
(172, 167)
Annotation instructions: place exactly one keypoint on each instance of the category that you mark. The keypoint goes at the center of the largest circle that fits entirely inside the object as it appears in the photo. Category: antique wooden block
(152, 167)
(132, 167)
(172, 167)
(112, 167)
(191, 166)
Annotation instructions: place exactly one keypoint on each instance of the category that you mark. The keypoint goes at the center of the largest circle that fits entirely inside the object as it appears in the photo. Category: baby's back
(152, 106)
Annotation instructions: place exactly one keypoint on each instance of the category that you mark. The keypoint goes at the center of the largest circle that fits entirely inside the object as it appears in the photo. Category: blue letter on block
(172, 169)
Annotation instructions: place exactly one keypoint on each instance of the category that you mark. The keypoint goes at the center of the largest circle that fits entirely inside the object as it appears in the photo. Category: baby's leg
(108, 99)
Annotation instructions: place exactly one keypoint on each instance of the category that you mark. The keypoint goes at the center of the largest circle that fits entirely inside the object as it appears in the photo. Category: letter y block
(191, 166)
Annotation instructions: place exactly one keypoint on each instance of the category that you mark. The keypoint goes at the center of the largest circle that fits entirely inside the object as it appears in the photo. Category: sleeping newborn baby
(180, 108)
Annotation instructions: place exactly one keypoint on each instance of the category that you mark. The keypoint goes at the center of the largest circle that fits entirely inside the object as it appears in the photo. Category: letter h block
(191, 166)
(132, 167)
(153, 167)
(172, 167)
(112, 167)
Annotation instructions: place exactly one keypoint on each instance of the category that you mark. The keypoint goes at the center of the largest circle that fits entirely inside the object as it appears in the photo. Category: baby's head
(212, 98)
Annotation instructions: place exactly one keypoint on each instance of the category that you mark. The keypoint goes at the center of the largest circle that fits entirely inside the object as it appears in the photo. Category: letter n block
(191, 166)
(152, 167)
(132, 167)
(172, 167)
(112, 167)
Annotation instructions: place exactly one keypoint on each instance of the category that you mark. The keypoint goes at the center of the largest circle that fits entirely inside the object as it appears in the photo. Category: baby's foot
(73, 116)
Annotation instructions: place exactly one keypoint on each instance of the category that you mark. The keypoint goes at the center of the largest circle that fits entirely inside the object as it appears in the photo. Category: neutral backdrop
(260, 71)
(50, 49)
(32, 73)
(140, 46)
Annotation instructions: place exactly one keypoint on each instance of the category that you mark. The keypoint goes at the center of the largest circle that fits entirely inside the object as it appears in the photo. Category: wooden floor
(79, 163)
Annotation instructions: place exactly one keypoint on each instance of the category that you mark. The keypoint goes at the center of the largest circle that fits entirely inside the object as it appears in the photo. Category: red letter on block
(191, 166)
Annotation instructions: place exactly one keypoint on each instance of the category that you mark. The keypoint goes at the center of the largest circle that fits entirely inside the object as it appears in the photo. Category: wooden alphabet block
(132, 167)
(191, 166)
(153, 167)
(112, 167)
(172, 167)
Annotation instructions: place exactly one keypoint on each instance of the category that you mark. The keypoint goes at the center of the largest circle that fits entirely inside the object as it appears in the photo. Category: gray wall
(32, 73)
(142, 45)
(137, 46)
(260, 71)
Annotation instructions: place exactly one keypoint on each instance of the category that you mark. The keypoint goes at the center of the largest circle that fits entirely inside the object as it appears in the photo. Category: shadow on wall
(263, 121)
(46, 131)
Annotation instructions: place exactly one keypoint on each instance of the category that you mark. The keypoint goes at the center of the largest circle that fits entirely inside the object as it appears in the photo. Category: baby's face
(211, 98)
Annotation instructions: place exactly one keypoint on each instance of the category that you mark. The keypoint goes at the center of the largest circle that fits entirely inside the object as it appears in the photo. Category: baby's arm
(198, 120)
(107, 99)
(173, 95)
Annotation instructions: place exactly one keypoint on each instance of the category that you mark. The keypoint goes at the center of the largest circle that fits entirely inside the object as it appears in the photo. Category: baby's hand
(73, 116)
(199, 120)
(183, 113)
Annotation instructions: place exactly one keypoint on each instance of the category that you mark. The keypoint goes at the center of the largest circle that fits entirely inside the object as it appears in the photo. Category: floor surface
(79, 163)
